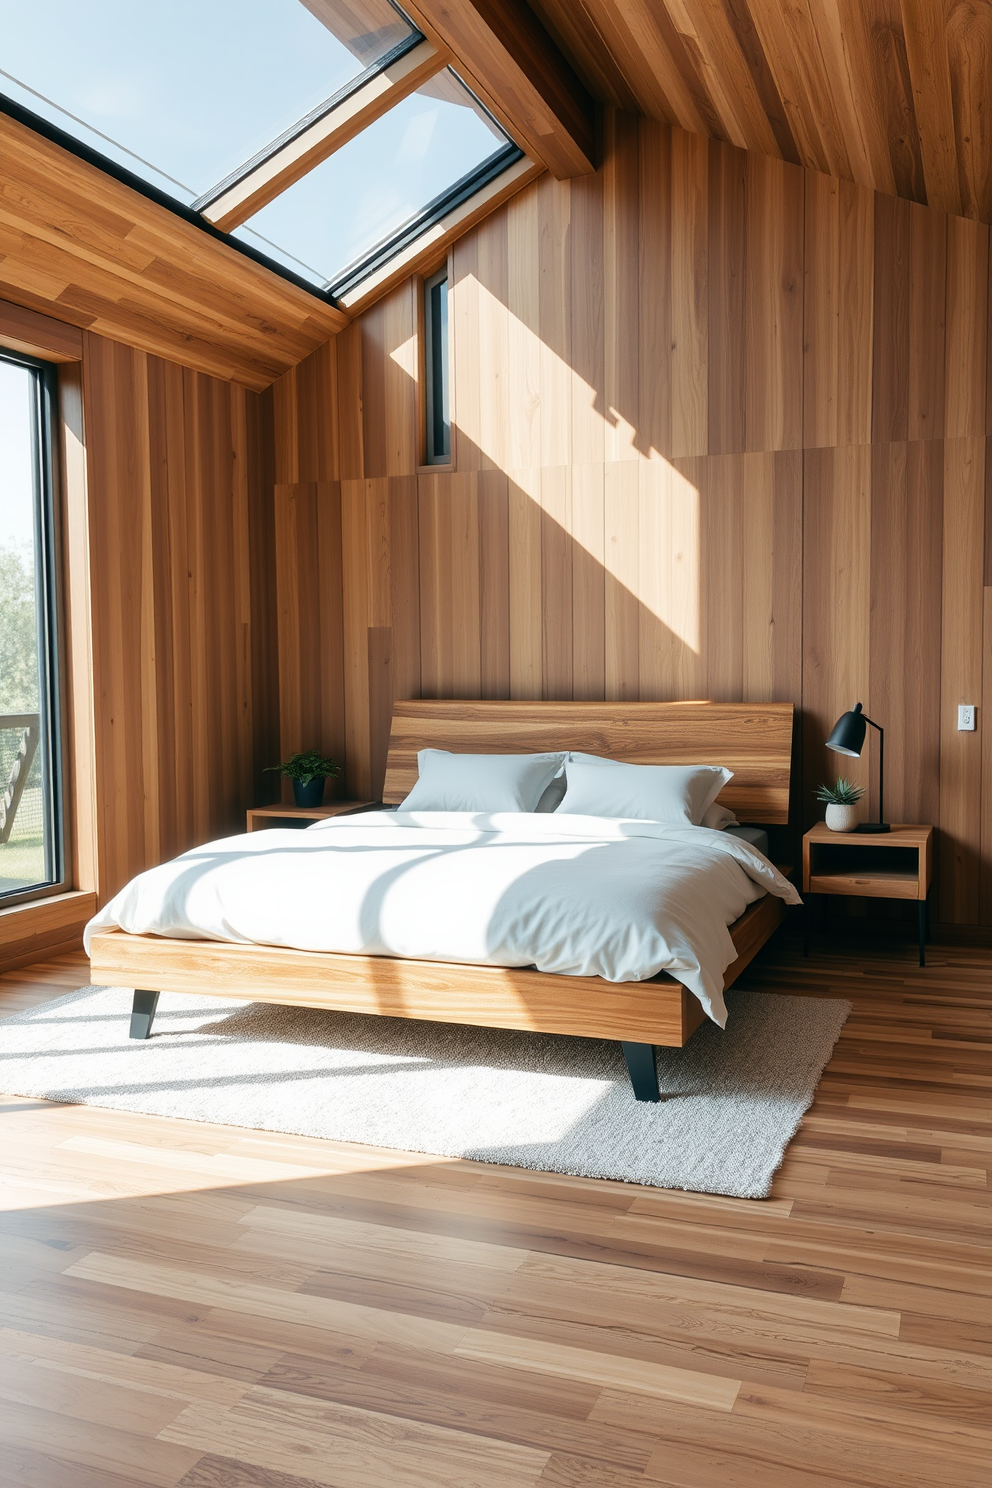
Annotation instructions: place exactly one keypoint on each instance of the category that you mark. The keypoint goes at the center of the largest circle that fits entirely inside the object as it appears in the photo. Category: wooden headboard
(752, 739)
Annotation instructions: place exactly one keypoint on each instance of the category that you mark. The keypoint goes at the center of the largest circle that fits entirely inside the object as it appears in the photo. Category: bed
(753, 740)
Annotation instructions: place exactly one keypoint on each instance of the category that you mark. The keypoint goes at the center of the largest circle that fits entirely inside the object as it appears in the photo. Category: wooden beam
(353, 114)
(78, 243)
(39, 335)
(431, 246)
(505, 55)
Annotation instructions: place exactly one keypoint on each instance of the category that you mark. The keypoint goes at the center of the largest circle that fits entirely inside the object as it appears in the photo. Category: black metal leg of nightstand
(807, 916)
(924, 928)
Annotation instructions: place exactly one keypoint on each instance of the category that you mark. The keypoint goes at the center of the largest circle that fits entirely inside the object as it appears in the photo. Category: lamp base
(873, 827)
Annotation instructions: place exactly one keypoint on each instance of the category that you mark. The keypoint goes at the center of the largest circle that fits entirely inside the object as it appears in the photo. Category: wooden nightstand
(265, 816)
(882, 865)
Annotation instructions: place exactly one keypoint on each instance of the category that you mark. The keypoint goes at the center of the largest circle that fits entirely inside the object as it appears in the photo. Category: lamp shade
(848, 733)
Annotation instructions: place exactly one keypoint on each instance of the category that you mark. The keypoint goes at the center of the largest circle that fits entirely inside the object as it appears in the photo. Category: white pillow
(665, 793)
(718, 818)
(481, 782)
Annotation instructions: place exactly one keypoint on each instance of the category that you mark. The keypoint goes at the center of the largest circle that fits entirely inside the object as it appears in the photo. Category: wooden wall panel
(962, 557)
(180, 613)
(906, 581)
(719, 432)
(837, 313)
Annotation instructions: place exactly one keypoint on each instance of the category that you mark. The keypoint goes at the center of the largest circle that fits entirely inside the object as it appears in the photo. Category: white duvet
(574, 895)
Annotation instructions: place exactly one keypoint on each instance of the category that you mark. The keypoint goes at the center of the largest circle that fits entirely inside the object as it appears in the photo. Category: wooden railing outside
(17, 776)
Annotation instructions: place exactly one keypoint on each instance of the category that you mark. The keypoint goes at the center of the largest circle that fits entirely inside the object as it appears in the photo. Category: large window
(31, 855)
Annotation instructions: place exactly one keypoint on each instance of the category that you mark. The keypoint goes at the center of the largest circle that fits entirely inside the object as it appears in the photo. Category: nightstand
(882, 865)
(269, 816)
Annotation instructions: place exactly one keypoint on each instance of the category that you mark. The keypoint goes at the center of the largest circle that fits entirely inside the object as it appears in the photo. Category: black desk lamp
(848, 737)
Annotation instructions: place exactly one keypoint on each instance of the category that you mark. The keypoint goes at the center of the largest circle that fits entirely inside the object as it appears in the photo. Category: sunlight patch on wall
(539, 417)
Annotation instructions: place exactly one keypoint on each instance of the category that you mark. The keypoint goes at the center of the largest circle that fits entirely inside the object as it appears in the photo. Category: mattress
(756, 836)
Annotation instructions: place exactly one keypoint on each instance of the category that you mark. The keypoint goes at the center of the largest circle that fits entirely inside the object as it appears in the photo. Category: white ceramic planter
(841, 818)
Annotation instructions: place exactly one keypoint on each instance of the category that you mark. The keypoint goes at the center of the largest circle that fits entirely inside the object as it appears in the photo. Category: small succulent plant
(844, 793)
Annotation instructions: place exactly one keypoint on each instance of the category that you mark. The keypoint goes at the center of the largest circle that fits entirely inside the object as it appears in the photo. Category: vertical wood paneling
(526, 609)
(891, 307)
(837, 312)
(654, 373)
(960, 842)
(773, 396)
(715, 437)
(689, 360)
(494, 585)
(967, 319)
(906, 540)
(725, 293)
(621, 563)
(175, 537)
(837, 534)
(621, 243)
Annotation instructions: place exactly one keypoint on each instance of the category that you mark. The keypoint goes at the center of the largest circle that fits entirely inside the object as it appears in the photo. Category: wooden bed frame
(754, 740)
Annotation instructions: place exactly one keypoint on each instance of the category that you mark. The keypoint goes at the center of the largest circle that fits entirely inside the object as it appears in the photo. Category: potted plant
(308, 771)
(842, 804)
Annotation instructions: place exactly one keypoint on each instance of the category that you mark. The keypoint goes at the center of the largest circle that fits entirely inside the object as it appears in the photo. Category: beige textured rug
(731, 1102)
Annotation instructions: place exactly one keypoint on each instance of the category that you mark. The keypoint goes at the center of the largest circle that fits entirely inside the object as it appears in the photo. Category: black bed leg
(142, 1013)
(642, 1072)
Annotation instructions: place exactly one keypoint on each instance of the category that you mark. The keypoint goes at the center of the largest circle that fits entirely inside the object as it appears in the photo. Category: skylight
(242, 115)
(380, 182)
(182, 94)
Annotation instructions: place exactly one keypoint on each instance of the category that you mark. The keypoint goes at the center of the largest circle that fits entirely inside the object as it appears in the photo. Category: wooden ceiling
(80, 245)
(893, 94)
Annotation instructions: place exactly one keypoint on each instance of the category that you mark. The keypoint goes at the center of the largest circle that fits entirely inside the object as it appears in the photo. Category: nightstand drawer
(892, 885)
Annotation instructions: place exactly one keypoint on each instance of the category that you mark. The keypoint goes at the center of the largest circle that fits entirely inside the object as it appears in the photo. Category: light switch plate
(966, 717)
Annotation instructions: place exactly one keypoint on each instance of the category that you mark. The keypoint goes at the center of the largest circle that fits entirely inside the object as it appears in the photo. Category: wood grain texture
(891, 95)
(39, 335)
(754, 740)
(175, 507)
(711, 416)
(128, 268)
(517, 69)
(207, 1306)
(658, 1011)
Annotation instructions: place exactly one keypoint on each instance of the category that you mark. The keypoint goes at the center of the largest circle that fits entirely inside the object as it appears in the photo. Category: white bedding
(574, 895)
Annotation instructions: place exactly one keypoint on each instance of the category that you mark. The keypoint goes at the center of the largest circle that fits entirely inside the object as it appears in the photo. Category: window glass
(361, 195)
(438, 441)
(30, 831)
(183, 94)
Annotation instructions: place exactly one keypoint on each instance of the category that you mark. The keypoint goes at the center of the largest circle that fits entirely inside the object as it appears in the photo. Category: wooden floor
(197, 1305)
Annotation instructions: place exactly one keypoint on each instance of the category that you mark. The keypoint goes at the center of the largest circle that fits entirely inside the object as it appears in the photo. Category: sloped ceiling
(893, 94)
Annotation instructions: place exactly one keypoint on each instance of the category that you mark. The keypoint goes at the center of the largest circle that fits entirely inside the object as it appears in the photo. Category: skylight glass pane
(372, 186)
(194, 88)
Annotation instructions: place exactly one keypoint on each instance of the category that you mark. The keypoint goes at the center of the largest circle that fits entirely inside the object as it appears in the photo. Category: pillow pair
(592, 786)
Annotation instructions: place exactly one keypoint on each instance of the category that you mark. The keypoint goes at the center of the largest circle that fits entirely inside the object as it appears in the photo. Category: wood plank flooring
(192, 1306)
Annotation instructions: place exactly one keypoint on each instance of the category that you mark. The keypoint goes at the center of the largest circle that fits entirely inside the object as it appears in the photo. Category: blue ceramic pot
(311, 794)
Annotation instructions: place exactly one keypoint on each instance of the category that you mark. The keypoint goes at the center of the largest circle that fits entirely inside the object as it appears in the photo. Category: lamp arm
(881, 765)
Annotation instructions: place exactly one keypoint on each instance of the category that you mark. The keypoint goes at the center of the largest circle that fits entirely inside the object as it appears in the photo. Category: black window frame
(49, 610)
(437, 370)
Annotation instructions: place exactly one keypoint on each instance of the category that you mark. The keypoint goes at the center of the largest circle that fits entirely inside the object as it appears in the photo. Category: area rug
(731, 1102)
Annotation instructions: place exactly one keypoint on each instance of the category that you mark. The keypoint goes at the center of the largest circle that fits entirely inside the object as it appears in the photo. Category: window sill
(44, 926)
